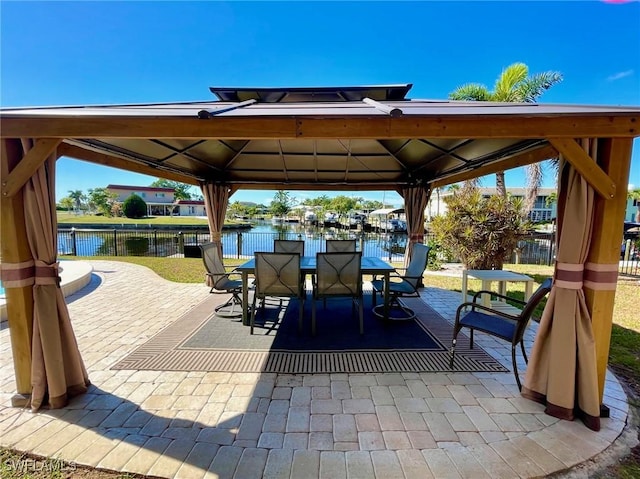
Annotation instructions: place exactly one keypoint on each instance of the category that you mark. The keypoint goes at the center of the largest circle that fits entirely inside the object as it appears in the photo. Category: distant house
(190, 208)
(632, 210)
(160, 201)
(541, 211)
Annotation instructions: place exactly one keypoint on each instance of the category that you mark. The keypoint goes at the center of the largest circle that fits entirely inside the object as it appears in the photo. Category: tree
(635, 195)
(321, 201)
(371, 205)
(343, 204)
(67, 203)
(101, 200)
(181, 189)
(78, 197)
(513, 85)
(236, 209)
(134, 207)
(481, 232)
(281, 203)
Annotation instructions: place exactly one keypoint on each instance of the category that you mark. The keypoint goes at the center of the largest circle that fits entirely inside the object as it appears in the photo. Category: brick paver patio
(245, 425)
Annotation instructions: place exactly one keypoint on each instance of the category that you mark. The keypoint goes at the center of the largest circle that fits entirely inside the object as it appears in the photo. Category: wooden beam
(624, 125)
(92, 156)
(28, 165)
(586, 166)
(615, 158)
(15, 249)
(335, 186)
(542, 153)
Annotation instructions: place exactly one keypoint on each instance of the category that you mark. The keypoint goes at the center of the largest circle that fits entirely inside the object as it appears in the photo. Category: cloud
(619, 75)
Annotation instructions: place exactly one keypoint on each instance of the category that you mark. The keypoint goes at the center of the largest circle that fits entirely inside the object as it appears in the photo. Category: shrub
(136, 246)
(481, 232)
(134, 207)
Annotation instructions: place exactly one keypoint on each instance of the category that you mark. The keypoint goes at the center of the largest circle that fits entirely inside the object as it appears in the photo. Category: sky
(81, 53)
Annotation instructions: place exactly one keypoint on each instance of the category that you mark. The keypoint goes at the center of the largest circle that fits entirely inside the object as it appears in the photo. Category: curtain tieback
(416, 238)
(569, 275)
(17, 275)
(47, 273)
(27, 273)
(216, 236)
(600, 277)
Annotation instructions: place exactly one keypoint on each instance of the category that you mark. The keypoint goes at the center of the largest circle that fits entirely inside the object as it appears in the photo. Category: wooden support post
(614, 157)
(14, 249)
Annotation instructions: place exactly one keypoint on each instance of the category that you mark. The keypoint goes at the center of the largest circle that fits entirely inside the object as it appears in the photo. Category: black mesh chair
(338, 275)
(288, 246)
(403, 285)
(341, 246)
(498, 323)
(278, 275)
(220, 281)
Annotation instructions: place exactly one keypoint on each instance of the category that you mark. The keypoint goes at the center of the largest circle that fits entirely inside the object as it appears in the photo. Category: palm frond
(534, 86)
(471, 92)
(505, 88)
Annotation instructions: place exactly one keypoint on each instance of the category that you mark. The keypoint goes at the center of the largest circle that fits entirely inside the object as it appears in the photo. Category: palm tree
(78, 197)
(513, 85)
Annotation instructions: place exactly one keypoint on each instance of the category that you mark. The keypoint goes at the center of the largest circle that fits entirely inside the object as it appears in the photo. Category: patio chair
(402, 286)
(220, 281)
(338, 246)
(338, 275)
(278, 275)
(498, 323)
(288, 246)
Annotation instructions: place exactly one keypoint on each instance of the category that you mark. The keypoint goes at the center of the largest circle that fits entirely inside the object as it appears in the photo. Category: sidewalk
(197, 424)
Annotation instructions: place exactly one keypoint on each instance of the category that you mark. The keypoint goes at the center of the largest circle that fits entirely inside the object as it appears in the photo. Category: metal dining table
(369, 265)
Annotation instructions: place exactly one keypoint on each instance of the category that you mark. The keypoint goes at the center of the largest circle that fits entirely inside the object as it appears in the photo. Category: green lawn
(65, 217)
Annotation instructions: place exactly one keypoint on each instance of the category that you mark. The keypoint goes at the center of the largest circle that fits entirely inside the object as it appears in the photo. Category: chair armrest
(498, 295)
(475, 306)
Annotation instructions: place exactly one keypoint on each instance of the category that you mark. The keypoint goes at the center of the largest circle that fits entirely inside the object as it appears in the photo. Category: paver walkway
(246, 425)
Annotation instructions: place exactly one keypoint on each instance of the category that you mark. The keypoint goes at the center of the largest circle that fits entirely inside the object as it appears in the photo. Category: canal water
(235, 243)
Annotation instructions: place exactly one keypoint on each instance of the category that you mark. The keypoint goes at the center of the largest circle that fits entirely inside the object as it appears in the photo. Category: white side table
(487, 276)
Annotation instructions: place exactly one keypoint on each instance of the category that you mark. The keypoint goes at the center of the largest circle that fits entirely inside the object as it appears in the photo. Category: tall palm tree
(514, 85)
(78, 197)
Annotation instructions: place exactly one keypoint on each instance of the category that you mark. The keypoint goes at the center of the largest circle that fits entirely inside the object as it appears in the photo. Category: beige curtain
(216, 200)
(415, 202)
(562, 372)
(57, 370)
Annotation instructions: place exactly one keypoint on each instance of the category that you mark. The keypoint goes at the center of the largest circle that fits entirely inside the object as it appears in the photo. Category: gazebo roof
(356, 138)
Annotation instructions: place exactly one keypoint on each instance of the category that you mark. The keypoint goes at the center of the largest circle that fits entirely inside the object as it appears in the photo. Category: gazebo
(327, 138)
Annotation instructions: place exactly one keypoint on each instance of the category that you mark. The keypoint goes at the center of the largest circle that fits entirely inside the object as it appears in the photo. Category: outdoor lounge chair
(338, 246)
(219, 280)
(407, 286)
(278, 275)
(498, 323)
(338, 275)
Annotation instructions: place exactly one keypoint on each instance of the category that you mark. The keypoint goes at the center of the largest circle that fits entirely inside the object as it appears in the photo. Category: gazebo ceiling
(359, 138)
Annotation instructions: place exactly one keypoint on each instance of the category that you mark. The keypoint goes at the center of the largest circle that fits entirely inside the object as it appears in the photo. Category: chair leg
(470, 338)
(453, 353)
(515, 366)
(252, 318)
(524, 353)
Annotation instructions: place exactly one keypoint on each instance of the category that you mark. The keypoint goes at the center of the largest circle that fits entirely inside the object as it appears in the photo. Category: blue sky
(69, 53)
